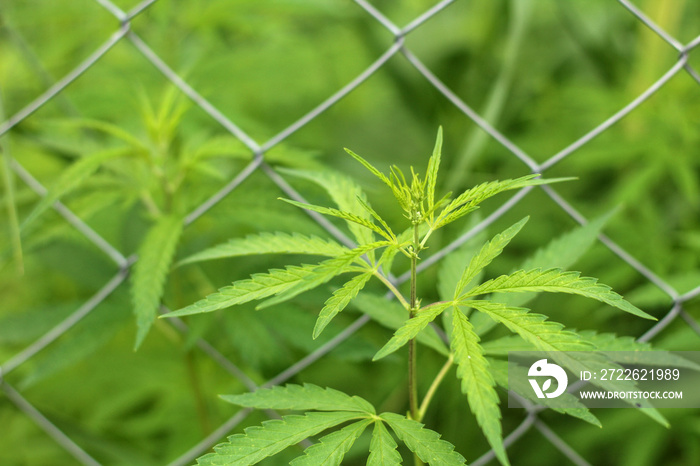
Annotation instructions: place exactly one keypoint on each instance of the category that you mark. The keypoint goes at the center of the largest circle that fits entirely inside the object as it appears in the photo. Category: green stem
(433, 388)
(412, 366)
(393, 289)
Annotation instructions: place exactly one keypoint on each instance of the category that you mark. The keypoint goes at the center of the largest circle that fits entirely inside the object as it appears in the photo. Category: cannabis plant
(158, 171)
(469, 308)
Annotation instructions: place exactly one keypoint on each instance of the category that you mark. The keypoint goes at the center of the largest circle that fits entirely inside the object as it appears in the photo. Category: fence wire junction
(259, 164)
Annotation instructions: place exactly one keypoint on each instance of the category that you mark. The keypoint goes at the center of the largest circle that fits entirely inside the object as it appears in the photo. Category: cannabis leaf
(555, 280)
(339, 300)
(345, 193)
(392, 315)
(477, 382)
(383, 448)
(470, 199)
(326, 270)
(488, 253)
(423, 442)
(258, 286)
(332, 448)
(412, 328)
(352, 218)
(148, 279)
(73, 176)
(561, 252)
(273, 436)
(566, 403)
(549, 336)
(269, 243)
(301, 398)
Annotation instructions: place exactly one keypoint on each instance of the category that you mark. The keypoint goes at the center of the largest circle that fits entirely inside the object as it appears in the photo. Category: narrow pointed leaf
(149, 272)
(470, 199)
(566, 403)
(301, 398)
(376, 216)
(259, 286)
(325, 271)
(332, 448)
(382, 448)
(344, 192)
(371, 168)
(556, 281)
(423, 442)
(433, 167)
(339, 300)
(269, 243)
(451, 267)
(562, 252)
(627, 350)
(107, 128)
(534, 328)
(392, 315)
(347, 216)
(551, 337)
(411, 328)
(488, 253)
(73, 176)
(477, 383)
(273, 436)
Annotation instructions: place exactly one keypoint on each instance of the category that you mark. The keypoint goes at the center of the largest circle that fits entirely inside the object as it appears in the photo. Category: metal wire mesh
(259, 164)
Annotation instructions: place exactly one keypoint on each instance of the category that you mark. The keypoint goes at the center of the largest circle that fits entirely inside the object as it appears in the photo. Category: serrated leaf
(325, 271)
(452, 265)
(258, 286)
(149, 272)
(544, 334)
(501, 346)
(556, 281)
(432, 172)
(423, 442)
(371, 168)
(365, 205)
(627, 350)
(332, 448)
(349, 217)
(470, 199)
(382, 448)
(72, 177)
(411, 328)
(273, 436)
(339, 300)
(562, 252)
(269, 243)
(451, 268)
(488, 253)
(392, 315)
(301, 398)
(344, 192)
(566, 403)
(477, 383)
(551, 337)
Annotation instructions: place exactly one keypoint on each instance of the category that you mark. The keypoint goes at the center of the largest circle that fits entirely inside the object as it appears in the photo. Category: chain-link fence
(259, 164)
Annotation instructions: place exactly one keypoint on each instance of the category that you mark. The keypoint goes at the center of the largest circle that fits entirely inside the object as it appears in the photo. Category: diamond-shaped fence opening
(396, 55)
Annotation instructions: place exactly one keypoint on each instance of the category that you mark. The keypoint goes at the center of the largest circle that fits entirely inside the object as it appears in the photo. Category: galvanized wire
(258, 164)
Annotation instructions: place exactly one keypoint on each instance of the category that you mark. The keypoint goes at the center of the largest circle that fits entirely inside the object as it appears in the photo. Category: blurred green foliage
(544, 72)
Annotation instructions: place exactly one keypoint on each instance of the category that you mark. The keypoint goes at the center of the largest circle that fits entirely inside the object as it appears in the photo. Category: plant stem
(412, 366)
(393, 289)
(433, 388)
